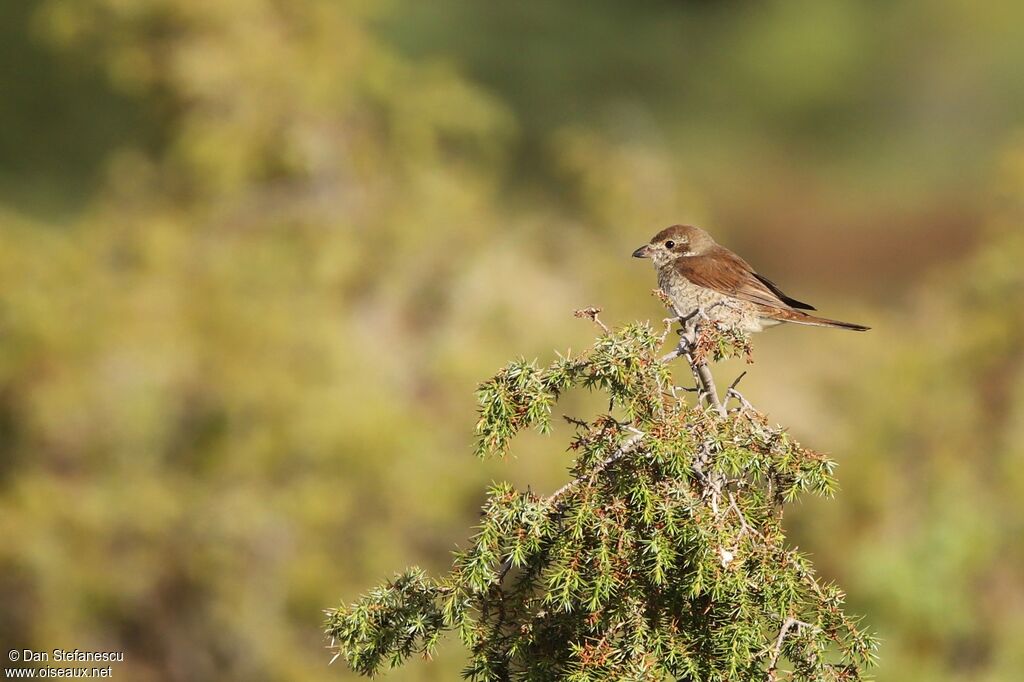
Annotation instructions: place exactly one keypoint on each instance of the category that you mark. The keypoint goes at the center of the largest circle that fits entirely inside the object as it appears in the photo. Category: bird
(698, 274)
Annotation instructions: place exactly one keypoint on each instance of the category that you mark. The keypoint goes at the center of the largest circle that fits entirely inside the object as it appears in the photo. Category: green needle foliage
(663, 557)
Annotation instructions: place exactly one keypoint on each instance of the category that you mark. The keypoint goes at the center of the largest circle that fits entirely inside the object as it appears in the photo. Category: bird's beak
(643, 252)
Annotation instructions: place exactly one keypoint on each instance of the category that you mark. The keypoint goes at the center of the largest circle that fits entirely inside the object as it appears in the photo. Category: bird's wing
(788, 300)
(725, 272)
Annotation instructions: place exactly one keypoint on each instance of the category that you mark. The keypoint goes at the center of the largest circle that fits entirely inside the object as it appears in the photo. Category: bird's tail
(799, 317)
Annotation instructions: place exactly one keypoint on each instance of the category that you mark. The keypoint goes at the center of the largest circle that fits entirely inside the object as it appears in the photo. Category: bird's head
(678, 241)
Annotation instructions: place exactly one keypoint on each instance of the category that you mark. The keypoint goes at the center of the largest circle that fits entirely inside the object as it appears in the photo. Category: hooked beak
(643, 252)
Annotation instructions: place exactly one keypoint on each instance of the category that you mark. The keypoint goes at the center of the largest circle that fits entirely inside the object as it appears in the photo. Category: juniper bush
(662, 558)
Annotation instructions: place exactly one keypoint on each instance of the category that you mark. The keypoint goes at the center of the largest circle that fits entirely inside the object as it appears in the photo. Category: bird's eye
(670, 244)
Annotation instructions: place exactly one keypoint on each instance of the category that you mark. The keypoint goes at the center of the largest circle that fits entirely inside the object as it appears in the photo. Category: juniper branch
(773, 663)
(552, 500)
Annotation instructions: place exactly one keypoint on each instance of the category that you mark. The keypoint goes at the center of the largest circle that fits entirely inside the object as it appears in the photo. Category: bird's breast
(685, 295)
(688, 297)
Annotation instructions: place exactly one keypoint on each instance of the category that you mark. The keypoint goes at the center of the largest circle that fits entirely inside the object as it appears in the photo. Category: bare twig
(734, 394)
(703, 374)
(737, 380)
(668, 321)
(591, 313)
(712, 481)
(674, 353)
(506, 566)
(787, 625)
(773, 663)
(745, 526)
(738, 397)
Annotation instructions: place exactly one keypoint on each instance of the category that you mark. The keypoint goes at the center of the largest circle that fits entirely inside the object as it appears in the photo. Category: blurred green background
(256, 254)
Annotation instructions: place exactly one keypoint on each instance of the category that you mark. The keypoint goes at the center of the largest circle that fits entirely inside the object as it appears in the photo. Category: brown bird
(696, 273)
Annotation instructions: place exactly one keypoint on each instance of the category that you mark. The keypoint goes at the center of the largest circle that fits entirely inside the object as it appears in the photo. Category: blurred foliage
(933, 506)
(254, 256)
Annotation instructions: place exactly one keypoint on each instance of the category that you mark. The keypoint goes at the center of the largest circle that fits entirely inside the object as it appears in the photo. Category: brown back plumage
(721, 270)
